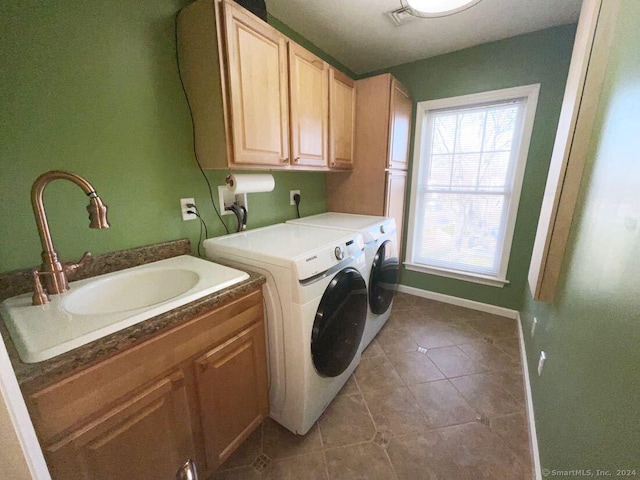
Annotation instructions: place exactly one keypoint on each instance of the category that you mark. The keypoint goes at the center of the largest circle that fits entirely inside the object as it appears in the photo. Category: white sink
(99, 306)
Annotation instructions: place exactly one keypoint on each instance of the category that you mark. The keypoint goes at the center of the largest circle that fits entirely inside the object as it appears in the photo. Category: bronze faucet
(54, 272)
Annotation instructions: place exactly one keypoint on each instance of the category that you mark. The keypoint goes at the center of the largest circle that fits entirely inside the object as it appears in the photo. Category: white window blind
(463, 198)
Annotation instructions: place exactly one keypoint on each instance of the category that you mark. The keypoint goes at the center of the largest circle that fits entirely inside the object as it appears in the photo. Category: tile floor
(438, 394)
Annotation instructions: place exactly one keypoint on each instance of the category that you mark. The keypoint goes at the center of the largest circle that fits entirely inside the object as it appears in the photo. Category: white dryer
(316, 308)
(381, 247)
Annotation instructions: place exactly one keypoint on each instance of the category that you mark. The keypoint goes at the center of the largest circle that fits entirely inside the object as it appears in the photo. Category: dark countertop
(37, 375)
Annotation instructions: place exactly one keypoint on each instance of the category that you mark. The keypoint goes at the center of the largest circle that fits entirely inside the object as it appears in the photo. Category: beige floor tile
(432, 310)
(486, 394)
(365, 461)
(441, 404)
(278, 442)
(510, 346)
(453, 362)
(247, 452)
(430, 336)
(513, 430)
(308, 467)
(405, 318)
(376, 373)
(402, 301)
(242, 473)
(396, 340)
(488, 357)
(346, 421)
(423, 457)
(494, 326)
(415, 367)
(395, 412)
(373, 350)
(512, 382)
(480, 454)
(349, 388)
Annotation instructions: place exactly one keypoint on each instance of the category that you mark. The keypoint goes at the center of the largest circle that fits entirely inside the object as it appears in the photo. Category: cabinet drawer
(72, 401)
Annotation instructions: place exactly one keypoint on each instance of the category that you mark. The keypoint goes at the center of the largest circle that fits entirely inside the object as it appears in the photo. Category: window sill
(467, 277)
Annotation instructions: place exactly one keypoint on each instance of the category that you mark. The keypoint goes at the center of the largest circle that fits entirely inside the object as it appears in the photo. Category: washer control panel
(325, 258)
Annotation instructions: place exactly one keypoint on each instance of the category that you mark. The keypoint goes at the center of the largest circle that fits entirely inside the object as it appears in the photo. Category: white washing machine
(381, 248)
(315, 306)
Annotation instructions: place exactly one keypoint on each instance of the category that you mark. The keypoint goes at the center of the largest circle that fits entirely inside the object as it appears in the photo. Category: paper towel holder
(228, 195)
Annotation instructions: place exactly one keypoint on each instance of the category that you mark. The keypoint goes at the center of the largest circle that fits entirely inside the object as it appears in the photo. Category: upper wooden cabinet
(400, 109)
(309, 77)
(259, 100)
(342, 115)
(258, 91)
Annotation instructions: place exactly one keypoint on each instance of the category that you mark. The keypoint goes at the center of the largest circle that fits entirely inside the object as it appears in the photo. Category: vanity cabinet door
(145, 436)
(231, 381)
(342, 97)
(309, 107)
(258, 89)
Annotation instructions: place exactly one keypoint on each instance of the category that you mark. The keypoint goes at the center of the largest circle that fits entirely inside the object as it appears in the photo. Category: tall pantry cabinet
(377, 184)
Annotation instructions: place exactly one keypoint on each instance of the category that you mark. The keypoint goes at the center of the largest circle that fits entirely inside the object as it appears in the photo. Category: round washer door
(339, 323)
(384, 278)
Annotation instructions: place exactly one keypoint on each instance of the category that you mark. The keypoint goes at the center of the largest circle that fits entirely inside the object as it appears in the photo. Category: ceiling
(360, 34)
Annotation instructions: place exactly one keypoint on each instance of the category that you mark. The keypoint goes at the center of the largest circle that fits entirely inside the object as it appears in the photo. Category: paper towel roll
(250, 183)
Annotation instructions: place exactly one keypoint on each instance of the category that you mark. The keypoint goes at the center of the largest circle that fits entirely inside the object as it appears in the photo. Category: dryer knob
(339, 253)
(382, 229)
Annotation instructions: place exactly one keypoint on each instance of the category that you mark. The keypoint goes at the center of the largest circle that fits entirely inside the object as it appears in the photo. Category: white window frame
(530, 95)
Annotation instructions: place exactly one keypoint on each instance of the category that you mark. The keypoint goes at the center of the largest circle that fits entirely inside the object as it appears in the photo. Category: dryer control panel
(378, 230)
(323, 259)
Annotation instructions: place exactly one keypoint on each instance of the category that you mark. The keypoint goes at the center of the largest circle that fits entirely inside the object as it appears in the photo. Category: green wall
(93, 87)
(586, 401)
(540, 57)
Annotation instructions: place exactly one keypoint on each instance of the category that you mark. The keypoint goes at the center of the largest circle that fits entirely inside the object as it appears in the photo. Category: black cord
(195, 154)
(296, 199)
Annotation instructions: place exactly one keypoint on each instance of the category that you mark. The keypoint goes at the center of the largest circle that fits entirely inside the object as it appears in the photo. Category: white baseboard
(533, 436)
(460, 302)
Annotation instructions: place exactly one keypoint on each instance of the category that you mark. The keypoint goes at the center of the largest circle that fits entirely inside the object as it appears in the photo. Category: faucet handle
(39, 297)
(70, 268)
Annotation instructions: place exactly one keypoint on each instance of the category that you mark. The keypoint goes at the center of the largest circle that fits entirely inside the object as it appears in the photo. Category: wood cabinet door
(399, 126)
(342, 98)
(231, 381)
(258, 89)
(146, 436)
(309, 91)
(394, 201)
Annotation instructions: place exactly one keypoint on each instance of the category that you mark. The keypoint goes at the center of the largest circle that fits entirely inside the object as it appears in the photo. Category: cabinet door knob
(284, 160)
(296, 160)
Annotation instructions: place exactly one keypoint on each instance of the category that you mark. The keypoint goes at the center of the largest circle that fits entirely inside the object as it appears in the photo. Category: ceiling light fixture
(436, 8)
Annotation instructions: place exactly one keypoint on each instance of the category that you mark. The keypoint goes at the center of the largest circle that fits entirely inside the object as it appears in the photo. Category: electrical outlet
(534, 325)
(226, 198)
(291, 194)
(184, 208)
(543, 357)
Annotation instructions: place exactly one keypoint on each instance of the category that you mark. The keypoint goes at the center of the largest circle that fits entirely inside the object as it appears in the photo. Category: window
(469, 160)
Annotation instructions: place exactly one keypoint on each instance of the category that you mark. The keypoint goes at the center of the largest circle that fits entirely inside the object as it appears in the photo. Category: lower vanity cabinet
(145, 436)
(195, 392)
(232, 387)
